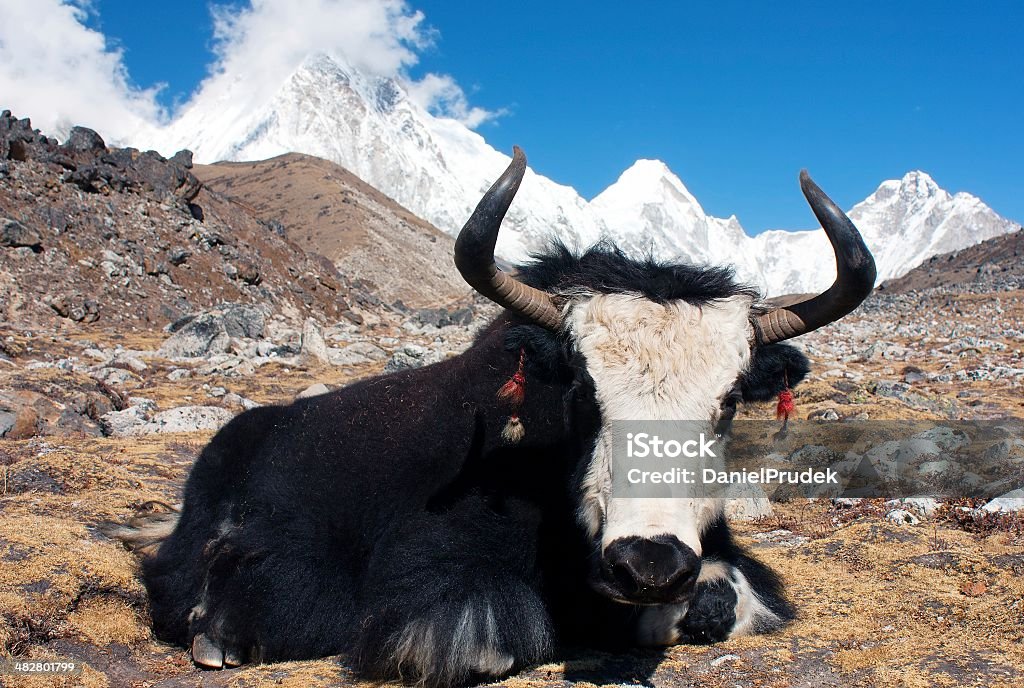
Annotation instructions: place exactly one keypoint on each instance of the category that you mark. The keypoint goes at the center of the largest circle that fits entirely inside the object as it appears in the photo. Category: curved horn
(474, 252)
(855, 275)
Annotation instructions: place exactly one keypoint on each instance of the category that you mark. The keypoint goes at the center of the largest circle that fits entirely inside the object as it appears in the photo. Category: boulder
(84, 140)
(1010, 502)
(313, 347)
(13, 234)
(203, 335)
(185, 419)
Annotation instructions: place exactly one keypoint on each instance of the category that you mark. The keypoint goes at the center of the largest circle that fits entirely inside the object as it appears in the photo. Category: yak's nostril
(626, 577)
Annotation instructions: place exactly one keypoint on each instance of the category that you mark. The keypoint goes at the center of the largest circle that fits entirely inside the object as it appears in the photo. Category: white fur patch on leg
(752, 615)
(424, 652)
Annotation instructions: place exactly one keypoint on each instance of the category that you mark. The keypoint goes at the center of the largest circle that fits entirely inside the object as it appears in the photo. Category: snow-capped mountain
(438, 168)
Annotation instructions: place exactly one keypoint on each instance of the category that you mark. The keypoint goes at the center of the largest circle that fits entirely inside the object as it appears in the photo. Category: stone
(934, 467)
(748, 508)
(123, 423)
(313, 390)
(902, 517)
(201, 336)
(84, 140)
(14, 234)
(242, 320)
(236, 400)
(179, 374)
(411, 356)
(923, 506)
(185, 419)
(945, 438)
(781, 536)
(313, 347)
(1012, 501)
(368, 350)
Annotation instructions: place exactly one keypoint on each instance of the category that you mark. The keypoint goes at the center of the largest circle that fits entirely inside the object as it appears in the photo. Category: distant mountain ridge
(438, 168)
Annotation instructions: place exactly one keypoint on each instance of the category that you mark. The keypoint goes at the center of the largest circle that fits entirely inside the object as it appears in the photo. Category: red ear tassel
(785, 407)
(514, 391)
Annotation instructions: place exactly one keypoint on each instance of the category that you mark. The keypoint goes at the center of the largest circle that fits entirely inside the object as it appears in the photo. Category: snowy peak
(438, 169)
(648, 181)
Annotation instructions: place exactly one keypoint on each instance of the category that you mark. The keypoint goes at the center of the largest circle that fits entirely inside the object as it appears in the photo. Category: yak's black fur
(343, 523)
(605, 268)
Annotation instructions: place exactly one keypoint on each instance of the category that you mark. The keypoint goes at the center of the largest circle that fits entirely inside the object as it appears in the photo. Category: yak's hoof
(712, 614)
(206, 654)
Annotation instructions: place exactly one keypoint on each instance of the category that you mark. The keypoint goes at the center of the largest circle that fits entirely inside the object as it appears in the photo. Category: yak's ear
(545, 353)
(771, 366)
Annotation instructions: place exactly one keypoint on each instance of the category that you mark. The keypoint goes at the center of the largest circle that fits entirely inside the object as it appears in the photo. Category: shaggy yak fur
(390, 522)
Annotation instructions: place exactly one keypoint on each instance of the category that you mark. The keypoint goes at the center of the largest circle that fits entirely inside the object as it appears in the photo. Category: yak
(456, 522)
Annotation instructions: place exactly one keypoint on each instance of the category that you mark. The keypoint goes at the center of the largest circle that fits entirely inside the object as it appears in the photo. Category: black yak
(456, 522)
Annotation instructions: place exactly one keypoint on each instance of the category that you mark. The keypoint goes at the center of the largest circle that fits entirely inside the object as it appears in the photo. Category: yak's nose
(654, 570)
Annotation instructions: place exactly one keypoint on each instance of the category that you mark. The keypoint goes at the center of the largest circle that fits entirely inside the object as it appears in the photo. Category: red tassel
(514, 391)
(785, 407)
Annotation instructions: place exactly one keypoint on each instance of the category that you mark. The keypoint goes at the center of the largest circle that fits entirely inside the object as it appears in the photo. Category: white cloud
(60, 73)
(264, 43)
(439, 94)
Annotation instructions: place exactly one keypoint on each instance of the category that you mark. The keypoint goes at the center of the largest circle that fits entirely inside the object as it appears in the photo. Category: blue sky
(735, 96)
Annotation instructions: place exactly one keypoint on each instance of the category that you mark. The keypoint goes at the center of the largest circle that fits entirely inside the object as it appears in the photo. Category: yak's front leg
(743, 597)
(451, 598)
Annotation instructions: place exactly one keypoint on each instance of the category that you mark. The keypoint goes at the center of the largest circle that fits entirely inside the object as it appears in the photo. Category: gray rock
(1000, 451)
(237, 400)
(345, 356)
(83, 140)
(1010, 502)
(179, 374)
(124, 423)
(781, 536)
(411, 356)
(114, 376)
(125, 360)
(934, 467)
(947, 439)
(922, 506)
(313, 390)
(241, 320)
(368, 350)
(185, 419)
(201, 336)
(748, 508)
(14, 234)
(915, 449)
(7, 419)
(902, 517)
(313, 347)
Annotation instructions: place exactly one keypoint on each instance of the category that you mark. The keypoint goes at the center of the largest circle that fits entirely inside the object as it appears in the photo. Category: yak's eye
(729, 404)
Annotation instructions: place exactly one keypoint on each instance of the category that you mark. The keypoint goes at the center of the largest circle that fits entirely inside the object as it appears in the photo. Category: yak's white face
(652, 361)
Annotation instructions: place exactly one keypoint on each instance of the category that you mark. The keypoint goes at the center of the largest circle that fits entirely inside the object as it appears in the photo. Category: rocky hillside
(328, 210)
(128, 239)
(1000, 260)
